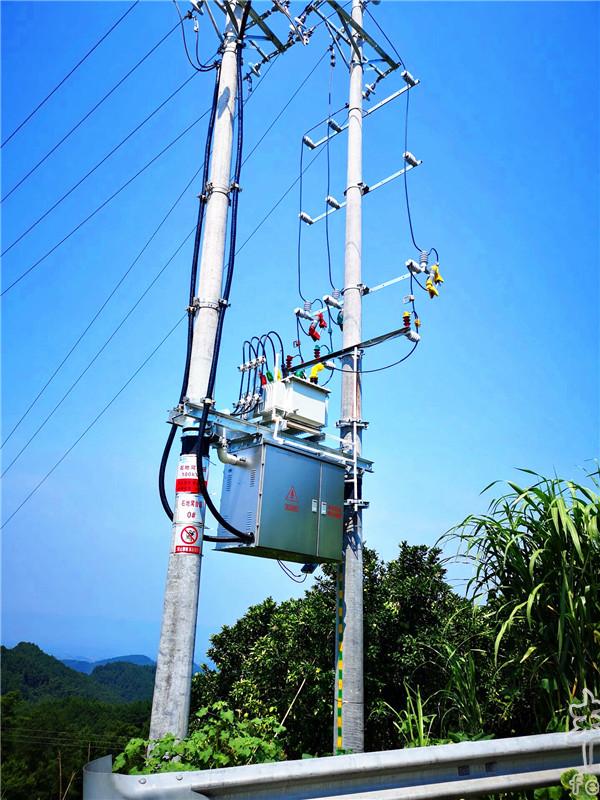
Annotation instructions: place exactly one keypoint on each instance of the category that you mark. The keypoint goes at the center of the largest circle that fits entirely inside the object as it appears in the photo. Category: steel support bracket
(356, 503)
(347, 423)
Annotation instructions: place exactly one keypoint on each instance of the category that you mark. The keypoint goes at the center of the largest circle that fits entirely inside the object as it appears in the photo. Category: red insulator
(317, 351)
(313, 332)
(288, 362)
(321, 319)
(263, 379)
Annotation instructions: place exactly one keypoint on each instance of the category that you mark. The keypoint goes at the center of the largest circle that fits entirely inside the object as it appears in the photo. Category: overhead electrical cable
(386, 37)
(101, 308)
(124, 186)
(93, 422)
(112, 292)
(90, 112)
(71, 71)
(99, 164)
(104, 203)
(97, 354)
(278, 202)
(199, 67)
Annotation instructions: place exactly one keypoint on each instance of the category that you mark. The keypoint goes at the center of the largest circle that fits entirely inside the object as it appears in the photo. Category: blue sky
(506, 122)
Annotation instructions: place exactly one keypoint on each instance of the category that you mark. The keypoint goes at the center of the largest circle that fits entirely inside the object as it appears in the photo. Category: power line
(94, 421)
(278, 203)
(102, 205)
(112, 292)
(90, 112)
(386, 37)
(90, 363)
(280, 114)
(68, 75)
(101, 307)
(99, 164)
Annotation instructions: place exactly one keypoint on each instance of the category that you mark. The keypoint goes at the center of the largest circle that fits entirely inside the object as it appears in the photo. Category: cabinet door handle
(315, 506)
(324, 509)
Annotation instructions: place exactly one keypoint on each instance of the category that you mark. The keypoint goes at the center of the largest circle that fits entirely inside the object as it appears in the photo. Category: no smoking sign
(189, 534)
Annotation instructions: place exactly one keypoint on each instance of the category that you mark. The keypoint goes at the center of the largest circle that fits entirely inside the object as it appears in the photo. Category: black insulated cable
(90, 112)
(191, 294)
(199, 67)
(71, 71)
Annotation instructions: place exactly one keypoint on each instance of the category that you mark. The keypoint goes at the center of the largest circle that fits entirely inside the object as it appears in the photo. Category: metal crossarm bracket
(357, 503)
(349, 350)
(340, 128)
(257, 20)
(345, 17)
(366, 190)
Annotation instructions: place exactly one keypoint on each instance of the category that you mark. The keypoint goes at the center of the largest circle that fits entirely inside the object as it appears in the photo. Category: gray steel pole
(349, 716)
(171, 701)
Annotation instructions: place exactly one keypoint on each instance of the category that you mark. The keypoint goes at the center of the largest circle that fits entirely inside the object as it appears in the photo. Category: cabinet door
(331, 512)
(290, 503)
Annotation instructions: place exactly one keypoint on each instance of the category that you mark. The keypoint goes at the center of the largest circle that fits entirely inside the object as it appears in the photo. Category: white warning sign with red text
(188, 517)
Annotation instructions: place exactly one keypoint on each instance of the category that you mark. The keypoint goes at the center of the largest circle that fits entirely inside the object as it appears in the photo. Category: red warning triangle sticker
(291, 496)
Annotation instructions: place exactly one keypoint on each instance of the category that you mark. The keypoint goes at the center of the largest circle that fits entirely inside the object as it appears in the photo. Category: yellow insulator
(437, 278)
(433, 292)
(417, 322)
(314, 373)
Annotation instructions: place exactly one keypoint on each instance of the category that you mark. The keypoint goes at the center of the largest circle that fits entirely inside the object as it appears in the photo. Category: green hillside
(130, 681)
(37, 676)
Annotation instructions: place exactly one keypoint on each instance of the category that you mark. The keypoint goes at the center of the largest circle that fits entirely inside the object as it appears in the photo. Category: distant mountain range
(39, 676)
(82, 665)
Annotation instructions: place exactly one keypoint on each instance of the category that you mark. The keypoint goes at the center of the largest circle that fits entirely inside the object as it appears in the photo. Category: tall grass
(536, 555)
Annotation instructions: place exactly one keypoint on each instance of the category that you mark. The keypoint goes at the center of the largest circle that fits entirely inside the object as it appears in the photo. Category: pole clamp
(349, 422)
(197, 304)
(212, 189)
(235, 187)
(364, 188)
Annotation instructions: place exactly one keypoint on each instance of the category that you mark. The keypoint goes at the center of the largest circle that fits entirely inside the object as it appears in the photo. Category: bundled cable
(202, 444)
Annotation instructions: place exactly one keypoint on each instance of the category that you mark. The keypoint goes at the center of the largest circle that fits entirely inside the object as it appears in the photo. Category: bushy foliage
(219, 737)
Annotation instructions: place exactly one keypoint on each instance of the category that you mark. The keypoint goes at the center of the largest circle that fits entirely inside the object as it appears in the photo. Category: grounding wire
(94, 421)
(90, 363)
(89, 113)
(103, 204)
(71, 71)
(99, 164)
(101, 307)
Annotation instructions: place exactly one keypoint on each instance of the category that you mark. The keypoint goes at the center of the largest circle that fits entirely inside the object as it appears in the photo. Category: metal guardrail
(446, 771)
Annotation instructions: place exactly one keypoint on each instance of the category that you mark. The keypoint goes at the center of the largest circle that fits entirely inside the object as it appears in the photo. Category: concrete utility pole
(349, 717)
(171, 701)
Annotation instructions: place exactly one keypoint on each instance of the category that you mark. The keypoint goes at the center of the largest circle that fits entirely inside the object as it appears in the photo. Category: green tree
(281, 655)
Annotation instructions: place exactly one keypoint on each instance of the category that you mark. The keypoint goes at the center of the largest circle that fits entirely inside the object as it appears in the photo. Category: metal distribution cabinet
(292, 502)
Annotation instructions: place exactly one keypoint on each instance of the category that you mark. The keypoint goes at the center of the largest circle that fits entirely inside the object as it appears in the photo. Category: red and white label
(291, 500)
(189, 508)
